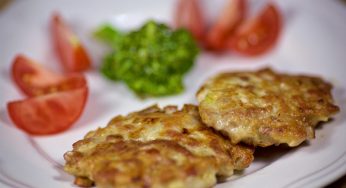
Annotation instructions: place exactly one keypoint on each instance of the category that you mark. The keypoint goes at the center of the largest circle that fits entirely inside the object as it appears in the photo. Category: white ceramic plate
(313, 41)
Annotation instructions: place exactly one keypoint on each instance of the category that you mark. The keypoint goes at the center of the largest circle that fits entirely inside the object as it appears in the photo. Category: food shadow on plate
(324, 130)
(5, 75)
(270, 154)
(321, 135)
(339, 95)
(4, 118)
(62, 175)
(288, 14)
(263, 157)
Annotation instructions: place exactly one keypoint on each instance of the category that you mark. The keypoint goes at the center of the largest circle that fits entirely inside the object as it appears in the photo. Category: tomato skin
(188, 14)
(34, 80)
(257, 36)
(232, 15)
(48, 114)
(70, 50)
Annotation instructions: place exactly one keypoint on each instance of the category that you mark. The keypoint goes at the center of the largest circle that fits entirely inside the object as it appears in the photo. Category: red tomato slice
(69, 48)
(188, 15)
(34, 80)
(259, 35)
(232, 15)
(48, 114)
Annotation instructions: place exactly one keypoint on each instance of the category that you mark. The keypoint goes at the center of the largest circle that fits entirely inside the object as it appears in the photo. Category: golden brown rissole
(264, 108)
(158, 163)
(155, 148)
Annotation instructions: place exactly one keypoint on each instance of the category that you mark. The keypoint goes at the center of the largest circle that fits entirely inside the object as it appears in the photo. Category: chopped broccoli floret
(151, 60)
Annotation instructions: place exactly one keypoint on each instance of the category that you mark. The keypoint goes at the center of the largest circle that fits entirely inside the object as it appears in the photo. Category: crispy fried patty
(122, 164)
(264, 108)
(189, 143)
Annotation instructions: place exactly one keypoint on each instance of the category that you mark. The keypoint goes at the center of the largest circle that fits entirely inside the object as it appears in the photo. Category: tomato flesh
(48, 114)
(256, 36)
(231, 16)
(34, 80)
(188, 15)
(69, 48)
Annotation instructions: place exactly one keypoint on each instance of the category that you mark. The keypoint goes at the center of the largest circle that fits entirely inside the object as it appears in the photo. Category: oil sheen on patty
(264, 108)
(156, 148)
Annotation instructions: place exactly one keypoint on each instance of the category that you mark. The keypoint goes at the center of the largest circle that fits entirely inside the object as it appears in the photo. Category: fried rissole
(264, 108)
(196, 150)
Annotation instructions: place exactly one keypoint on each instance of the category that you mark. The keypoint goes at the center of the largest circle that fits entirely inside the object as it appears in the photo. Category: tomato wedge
(48, 114)
(231, 16)
(34, 80)
(256, 36)
(69, 48)
(188, 15)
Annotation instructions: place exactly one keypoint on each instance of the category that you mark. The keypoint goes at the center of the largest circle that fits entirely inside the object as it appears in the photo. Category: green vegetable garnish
(151, 60)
